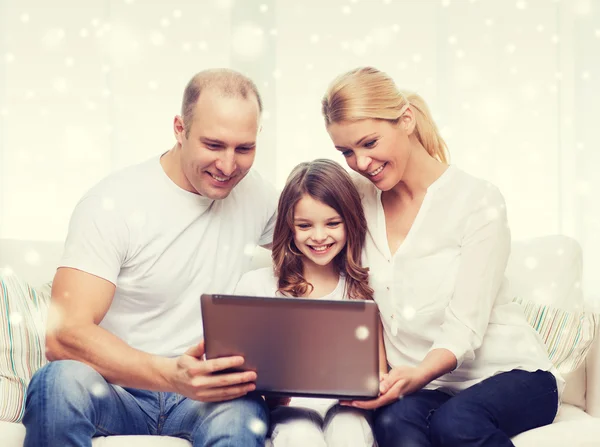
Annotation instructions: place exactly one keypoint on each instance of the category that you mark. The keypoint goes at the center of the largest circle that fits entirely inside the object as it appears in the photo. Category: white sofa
(577, 423)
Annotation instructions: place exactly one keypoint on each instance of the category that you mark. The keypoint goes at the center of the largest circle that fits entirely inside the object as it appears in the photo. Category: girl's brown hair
(325, 181)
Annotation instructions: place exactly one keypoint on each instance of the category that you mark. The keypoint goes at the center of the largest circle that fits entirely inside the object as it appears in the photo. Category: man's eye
(244, 150)
(347, 153)
(371, 144)
(213, 146)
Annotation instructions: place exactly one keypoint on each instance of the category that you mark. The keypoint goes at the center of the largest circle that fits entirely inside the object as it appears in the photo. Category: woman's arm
(383, 364)
(484, 252)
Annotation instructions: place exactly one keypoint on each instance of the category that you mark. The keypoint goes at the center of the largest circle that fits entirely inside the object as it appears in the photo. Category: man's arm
(80, 301)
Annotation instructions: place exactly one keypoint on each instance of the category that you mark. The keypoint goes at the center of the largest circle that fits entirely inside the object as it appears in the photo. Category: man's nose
(226, 163)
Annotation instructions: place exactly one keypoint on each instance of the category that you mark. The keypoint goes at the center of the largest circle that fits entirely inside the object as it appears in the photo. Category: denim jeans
(486, 414)
(69, 403)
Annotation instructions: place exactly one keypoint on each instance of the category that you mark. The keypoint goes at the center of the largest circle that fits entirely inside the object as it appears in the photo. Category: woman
(466, 368)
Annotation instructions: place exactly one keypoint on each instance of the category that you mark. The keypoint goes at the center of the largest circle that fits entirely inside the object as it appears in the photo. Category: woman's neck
(324, 278)
(419, 174)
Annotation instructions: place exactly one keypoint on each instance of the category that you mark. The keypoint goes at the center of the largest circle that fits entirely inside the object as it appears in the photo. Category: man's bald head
(226, 82)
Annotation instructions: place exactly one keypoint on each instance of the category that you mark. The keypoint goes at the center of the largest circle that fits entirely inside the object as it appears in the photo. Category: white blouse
(445, 286)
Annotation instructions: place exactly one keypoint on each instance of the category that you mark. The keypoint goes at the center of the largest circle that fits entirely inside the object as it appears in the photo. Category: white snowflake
(108, 204)
(60, 85)
(521, 4)
(157, 38)
(531, 262)
(361, 333)
(409, 312)
(53, 38)
(99, 389)
(32, 257)
(9, 57)
(24, 17)
(15, 318)
(248, 41)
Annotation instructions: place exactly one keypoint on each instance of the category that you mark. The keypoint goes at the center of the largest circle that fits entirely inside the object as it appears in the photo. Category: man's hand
(398, 382)
(193, 377)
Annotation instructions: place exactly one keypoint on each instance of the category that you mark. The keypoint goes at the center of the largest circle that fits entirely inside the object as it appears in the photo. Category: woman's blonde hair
(366, 92)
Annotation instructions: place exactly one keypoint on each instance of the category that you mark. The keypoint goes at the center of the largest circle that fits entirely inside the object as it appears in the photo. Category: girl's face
(319, 231)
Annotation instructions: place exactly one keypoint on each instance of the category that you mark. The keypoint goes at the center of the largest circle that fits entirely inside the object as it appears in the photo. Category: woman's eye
(371, 144)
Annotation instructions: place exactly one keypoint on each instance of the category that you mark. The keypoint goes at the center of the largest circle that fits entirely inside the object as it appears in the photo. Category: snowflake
(53, 38)
(32, 257)
(248, 41)
(531, 262)
(361, 333)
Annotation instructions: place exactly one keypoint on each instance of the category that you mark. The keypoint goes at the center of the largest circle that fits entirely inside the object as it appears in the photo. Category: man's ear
(179, 129)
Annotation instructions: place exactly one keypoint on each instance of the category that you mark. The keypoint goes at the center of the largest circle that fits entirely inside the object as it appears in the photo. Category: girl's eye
(371, 144)
(303, 226)
(334, 224)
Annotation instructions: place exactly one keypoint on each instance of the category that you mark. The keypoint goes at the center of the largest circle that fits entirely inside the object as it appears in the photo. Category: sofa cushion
(23, 311)
(568, 336)
(13, 435)
(547, 271)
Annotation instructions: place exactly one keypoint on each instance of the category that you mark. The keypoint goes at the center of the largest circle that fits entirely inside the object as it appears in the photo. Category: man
(124, 329)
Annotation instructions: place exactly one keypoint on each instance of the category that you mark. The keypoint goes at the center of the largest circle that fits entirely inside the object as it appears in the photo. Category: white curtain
(89, 87)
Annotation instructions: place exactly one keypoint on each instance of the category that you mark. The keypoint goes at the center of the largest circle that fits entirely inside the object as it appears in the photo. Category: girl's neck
(324, 278)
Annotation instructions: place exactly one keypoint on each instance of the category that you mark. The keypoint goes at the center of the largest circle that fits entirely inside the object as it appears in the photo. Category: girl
(317, 245)
(438, 241)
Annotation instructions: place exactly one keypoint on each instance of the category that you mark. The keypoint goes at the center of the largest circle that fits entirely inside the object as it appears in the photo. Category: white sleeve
(260, 282)
(97, 239)
(271, 199)
(248, 285)
(483, 257)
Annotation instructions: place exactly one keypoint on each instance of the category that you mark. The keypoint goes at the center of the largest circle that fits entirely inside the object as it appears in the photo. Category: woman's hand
(399, 382)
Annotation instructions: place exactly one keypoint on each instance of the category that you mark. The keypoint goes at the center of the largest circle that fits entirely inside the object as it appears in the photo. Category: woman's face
(377, 149)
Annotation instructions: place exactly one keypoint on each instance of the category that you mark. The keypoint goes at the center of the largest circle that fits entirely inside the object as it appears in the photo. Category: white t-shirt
(263, 282)
(163, 247)
(445, 287)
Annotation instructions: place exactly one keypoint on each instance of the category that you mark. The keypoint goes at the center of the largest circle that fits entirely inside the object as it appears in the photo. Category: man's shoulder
(261, 274)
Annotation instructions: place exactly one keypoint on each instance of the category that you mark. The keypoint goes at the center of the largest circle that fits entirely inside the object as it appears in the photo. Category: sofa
(546, 270)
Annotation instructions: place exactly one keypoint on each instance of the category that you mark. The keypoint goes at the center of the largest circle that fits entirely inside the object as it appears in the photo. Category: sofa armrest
(592, 395)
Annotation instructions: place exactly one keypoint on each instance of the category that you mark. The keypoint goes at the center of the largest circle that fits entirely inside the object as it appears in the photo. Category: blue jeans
(486, 414)
(69, 403)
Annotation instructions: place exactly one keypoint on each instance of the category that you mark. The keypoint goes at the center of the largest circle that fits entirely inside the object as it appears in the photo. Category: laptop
(298, 346)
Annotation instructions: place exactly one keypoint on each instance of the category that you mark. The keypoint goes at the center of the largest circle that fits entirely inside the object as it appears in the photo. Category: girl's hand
(398, 382)
(274, 402)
